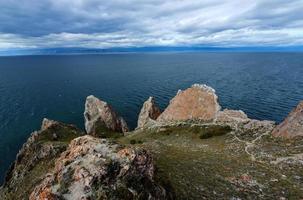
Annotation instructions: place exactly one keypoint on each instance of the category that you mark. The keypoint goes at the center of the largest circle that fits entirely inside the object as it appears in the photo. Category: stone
(199, 102)
(149, 113)
(99, 114)
(292, 126)
(93, 168)
(230, 116)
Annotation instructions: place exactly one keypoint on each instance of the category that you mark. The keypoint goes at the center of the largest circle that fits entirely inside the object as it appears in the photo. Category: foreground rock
(198, 102)
(99, 115)
(92, 168)
(292, 126)
(36, 157)
(148, 114)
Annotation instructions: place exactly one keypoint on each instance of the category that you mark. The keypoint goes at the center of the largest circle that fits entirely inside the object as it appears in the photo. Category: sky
(30, 24)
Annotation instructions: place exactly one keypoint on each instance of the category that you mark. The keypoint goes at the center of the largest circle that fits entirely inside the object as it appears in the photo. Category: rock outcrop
(92, 168)
(292, 126)
(36, 156)
(149, 113)
(99, 115)
(198, 102)
(237, 119)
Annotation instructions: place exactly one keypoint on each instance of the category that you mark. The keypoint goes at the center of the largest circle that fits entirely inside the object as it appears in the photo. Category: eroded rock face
(292, 126)
(99, 114)
(149, 113)
(91, 168)
(198, 102)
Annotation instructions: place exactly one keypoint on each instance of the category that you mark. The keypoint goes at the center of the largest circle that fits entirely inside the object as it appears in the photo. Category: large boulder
(292, 126)
(99, 115)
(149, 113)
(92, 168)
(199, 102)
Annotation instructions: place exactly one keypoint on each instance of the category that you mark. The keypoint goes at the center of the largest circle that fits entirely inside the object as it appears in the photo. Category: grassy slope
(219, 167)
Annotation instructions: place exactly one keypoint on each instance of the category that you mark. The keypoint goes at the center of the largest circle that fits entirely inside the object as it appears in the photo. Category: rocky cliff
(36, 157)
(99, 115)
(192, 150)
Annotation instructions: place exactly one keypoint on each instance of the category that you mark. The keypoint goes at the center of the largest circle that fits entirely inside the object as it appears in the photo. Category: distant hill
(77, 50)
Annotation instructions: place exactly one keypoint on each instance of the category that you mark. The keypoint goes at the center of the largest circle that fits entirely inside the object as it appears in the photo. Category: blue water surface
(264, 85)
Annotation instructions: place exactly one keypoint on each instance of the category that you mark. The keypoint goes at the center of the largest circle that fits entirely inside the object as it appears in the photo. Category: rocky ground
(192, 150)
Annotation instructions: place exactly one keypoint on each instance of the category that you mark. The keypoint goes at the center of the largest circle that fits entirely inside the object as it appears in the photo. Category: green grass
(63, 134)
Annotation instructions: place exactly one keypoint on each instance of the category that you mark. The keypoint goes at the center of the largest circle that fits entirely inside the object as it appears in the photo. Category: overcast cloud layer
(138, 23)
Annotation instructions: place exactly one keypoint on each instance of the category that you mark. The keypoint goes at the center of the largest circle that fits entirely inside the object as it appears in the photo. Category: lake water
(264, 85)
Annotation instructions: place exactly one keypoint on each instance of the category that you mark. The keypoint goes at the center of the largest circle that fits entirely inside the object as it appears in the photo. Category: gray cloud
(124, 23)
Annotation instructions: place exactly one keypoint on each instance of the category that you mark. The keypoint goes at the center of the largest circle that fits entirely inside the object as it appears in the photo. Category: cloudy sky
(141, 23)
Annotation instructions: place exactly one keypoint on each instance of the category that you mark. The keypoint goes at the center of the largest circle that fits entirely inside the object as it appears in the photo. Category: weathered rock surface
(149, 113)
(36, 156)
(91, 168)
(99, 115)
(292, 126)
(237, 116)
(198, 102)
